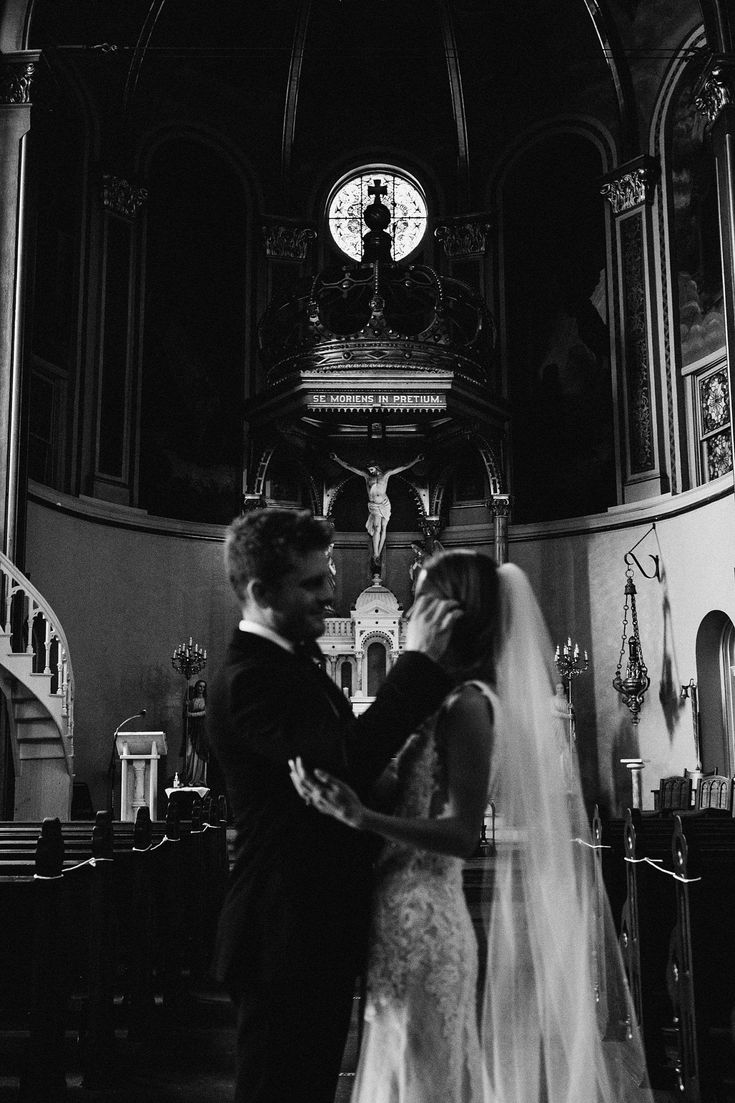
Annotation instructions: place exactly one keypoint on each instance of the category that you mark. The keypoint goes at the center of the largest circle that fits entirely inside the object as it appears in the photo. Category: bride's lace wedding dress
(420, 1043)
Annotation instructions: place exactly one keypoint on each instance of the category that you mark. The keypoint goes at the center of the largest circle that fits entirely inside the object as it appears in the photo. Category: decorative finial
(377, 245)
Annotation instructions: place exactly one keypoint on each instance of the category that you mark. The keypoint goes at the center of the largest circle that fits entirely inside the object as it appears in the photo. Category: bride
(551, 1021)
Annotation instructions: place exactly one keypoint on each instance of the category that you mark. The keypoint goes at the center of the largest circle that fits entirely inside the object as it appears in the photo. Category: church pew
(33, 958)
(608, 835)
(121, 919)
(701, 964)
(647, 920)
(652, 944)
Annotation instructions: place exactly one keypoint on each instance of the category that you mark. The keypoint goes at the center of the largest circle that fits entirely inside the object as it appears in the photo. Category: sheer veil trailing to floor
(557, 1019)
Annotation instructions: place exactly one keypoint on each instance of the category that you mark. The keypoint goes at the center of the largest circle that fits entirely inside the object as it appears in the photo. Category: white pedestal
(139, 754)
(635, 765)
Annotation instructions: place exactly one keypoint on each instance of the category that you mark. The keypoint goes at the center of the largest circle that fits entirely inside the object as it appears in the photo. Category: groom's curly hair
(471, 579)
(262, 544)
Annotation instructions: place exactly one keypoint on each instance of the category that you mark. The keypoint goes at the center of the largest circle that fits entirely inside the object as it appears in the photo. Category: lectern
(139, 753)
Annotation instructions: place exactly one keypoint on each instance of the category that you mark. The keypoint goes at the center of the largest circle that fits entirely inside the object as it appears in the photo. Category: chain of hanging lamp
(633, 686)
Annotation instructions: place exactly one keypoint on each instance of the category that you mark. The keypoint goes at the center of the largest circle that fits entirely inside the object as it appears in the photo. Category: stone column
(118, 400)
(16, 75)
(499, 506)
(630, 190)
(715, 100)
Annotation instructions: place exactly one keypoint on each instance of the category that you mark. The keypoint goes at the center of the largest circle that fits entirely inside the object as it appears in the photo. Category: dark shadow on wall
(669, 687)
(558, 340)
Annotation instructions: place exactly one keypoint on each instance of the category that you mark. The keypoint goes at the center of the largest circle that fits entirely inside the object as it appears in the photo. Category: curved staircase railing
(31, 627)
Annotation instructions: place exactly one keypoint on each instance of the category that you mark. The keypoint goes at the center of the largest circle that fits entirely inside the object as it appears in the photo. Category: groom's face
(299, 601)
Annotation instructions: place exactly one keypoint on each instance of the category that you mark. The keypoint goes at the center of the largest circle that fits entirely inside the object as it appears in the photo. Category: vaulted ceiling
(443, 85)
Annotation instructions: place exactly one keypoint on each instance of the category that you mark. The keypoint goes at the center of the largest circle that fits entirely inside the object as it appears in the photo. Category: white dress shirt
(257, 629)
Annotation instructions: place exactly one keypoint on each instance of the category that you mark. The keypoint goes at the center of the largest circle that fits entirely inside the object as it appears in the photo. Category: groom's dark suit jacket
(298, 900)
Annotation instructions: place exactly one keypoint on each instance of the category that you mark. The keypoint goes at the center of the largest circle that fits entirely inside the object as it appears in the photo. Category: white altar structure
(360, 649)
(139, 754)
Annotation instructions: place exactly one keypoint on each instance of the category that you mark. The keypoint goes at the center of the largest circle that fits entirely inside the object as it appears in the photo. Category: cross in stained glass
(378, 189)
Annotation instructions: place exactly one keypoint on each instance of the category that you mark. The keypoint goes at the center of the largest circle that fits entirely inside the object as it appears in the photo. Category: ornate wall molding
(16, 76)
(287, 240)
(121, 197)
(467, 236)
(715, 88)
(637, 366)
(632, 184)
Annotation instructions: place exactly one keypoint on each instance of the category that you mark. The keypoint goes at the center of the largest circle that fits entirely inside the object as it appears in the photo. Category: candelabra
(188, 659)
(570, 664)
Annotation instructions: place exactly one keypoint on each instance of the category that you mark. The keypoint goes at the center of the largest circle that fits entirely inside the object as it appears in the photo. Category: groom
(293, 928)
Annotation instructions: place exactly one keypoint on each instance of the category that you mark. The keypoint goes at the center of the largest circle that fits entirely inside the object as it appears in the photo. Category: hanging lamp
(633, 686)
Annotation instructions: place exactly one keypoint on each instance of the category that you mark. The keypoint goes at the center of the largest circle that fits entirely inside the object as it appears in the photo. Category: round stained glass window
(403, 198)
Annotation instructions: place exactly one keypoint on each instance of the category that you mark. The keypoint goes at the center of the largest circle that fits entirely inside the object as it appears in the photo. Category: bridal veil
(557, 1020)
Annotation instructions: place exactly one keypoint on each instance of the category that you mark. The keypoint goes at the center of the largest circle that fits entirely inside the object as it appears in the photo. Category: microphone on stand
(111, 767)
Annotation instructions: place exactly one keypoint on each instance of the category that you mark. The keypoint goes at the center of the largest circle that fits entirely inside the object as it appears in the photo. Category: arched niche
(377, 666)
(557, 338)
(715, 661)
(347, 677)
(194, 332)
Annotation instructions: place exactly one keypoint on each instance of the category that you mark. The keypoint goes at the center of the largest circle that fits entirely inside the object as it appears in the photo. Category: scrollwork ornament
(719, 454)
(15, 82)
(469, 237)
(714, 94)
(715, 401)
(631, 190)
(121, 197)
(285, 242)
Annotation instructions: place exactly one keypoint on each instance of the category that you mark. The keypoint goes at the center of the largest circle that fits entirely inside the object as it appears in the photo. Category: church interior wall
(127, 597)
(580, 578)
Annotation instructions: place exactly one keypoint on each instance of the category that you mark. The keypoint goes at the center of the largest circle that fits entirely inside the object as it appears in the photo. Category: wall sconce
(636, 681)
(689, 693)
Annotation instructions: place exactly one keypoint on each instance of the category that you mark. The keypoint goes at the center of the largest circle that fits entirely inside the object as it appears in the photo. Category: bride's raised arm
(467, 725)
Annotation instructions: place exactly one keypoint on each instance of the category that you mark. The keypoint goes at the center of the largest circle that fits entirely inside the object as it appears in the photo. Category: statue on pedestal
(414, 570)
(376, 481)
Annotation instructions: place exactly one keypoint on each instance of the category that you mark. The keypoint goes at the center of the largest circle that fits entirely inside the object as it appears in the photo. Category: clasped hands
(327, 794)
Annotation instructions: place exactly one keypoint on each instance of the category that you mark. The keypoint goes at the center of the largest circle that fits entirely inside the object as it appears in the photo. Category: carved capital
(285, 240)
(499, 505)
(715, 88)
(632, 184)
(16, 75)
(466, 236)
(431, 527)
(120, 197)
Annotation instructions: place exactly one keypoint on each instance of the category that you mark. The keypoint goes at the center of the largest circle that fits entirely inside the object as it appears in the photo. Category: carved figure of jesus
(376, 481)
